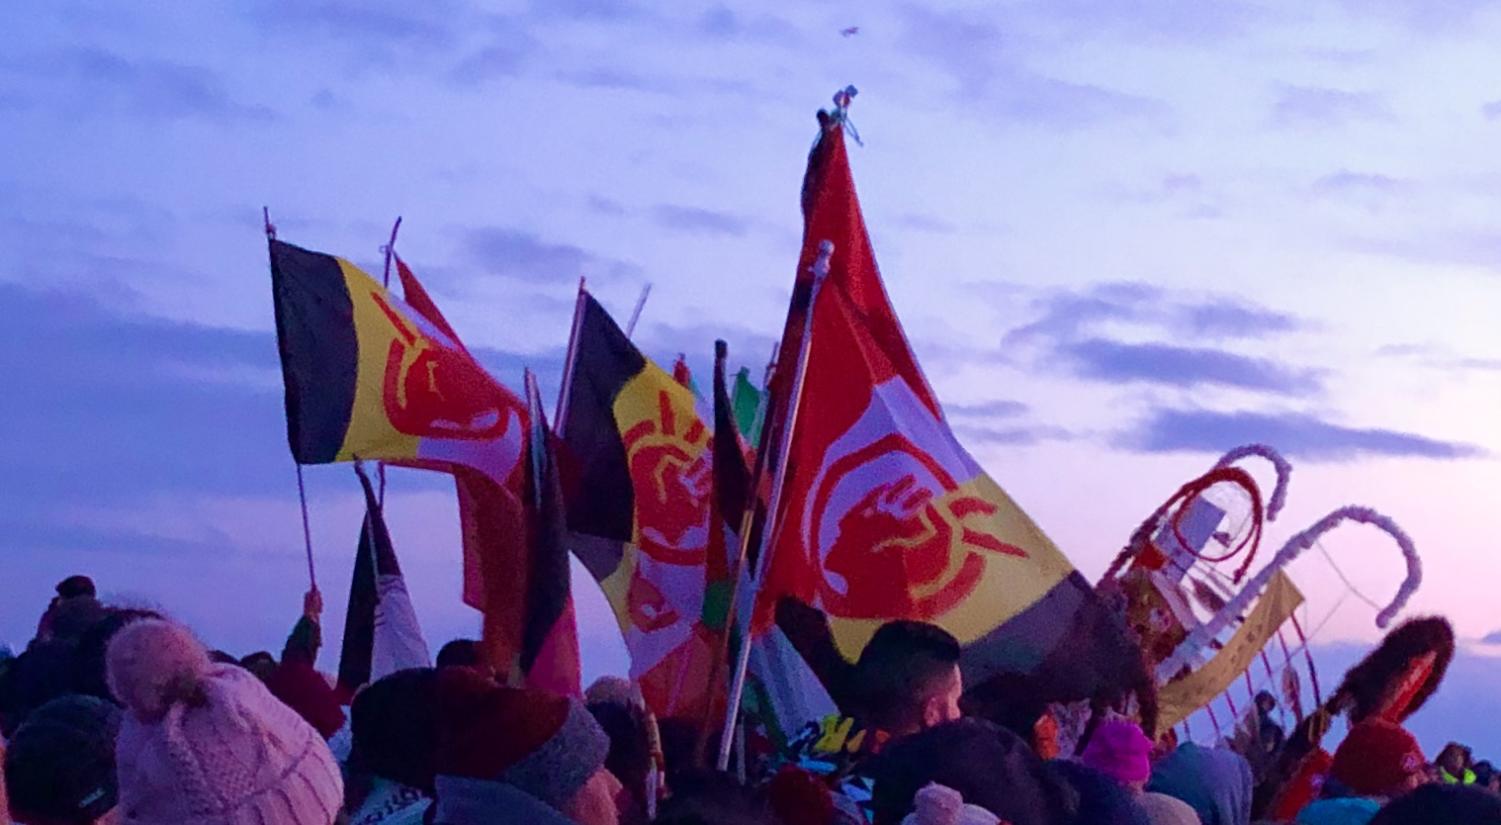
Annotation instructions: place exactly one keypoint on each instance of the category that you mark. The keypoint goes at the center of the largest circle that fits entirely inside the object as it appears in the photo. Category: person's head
(91, 677)
(261, 663)
(60, 766)
(713, 798)
(518, 747)
(908, 677)
(1122, 752)
(630, 758)
(1454, 758)
(1266, 702)
(987, 764)
(1215, 782)
(1442, 804)
(201, 742)
(614, 689)
(1378, 759)
(75, 586)
(393, 723)
(460, 653)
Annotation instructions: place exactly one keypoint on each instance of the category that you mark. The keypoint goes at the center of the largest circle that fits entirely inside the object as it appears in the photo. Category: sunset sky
(1123, 237)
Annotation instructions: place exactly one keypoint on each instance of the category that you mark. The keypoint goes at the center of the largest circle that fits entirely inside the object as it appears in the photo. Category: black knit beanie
(60, 765)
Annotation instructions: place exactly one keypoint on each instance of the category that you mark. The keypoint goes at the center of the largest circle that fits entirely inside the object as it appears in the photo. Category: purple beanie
(1121, 751)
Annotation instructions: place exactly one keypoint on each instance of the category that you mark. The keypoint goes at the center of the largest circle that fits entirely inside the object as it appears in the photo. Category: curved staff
(1294, 547)
(1283, 467)
(1186, 494)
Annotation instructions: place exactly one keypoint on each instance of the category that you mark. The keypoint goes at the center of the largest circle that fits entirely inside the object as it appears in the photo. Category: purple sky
(1123, 237)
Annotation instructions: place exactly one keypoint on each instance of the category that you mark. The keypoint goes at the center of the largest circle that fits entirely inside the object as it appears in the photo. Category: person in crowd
(906, 680)
(630, 756)
(261, 663)
(1441, 804)
(73, 589)
(1377, 761)
(90, 676)
(1270, 733)
(511, 755)
(1454, 765)
(1120, 750)
(460, 653)
(1215, 782)
(206, 743)
(715, 798)
(296, 680)
(1162, 809)
(4, 802)
(616, 689)
(1100, 799)
(986, 764)
(60, 766)
(394, 722)
(937, 804)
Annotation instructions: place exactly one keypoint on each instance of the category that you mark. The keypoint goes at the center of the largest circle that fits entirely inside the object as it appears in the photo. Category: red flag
(884, 515)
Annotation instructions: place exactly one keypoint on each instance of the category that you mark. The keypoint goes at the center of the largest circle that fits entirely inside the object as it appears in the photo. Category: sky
(1123, 237)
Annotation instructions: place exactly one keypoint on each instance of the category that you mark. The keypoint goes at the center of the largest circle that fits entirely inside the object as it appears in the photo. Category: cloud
(111, 408)
(1345, 182)
(1491, 110)
(1319, 106)
(1011, 436)
(1493, 638)
(1065, 315)
(1450, 247)
(505, 56)
(990, 78)
(723, 23)
(995, 408)
(926, 223)
(91, 80)
(520, 254)
(1102, 359)
(1297, 434)
(605, 206)
(1439, 358)
(698, 219)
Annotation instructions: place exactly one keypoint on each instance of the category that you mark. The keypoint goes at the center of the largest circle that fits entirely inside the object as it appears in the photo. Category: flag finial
(841, 113)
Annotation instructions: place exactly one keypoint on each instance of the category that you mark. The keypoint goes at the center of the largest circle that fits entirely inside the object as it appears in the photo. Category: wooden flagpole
(307, 531)
(560, 415)
(390, 250)
(630, 327)
(769, 528)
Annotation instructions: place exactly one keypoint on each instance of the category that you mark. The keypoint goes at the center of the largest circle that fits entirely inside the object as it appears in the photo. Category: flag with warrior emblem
(637, 466)
(372, 376)
(884, 515)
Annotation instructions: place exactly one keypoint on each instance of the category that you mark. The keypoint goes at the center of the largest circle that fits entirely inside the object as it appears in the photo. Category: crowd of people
(115, 715)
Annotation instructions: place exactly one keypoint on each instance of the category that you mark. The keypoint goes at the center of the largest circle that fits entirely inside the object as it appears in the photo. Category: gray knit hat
(60, 765)
(540, 743)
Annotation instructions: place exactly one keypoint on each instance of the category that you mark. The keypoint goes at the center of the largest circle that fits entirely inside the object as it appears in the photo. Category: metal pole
(768, 534)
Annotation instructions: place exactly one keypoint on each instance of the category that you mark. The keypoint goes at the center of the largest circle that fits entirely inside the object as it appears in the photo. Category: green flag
(747, 405)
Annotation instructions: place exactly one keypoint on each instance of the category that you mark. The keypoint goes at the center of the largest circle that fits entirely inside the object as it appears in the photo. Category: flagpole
(390, 250)
(768, 532)
(385, 281)
(307, 531)
(630, 326)
(560, 415)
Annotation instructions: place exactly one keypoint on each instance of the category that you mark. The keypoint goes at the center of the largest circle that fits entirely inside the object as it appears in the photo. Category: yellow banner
(1179, 699)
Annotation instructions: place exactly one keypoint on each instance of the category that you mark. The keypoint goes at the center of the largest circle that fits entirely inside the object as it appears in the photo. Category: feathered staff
(1282, 466)
(1294, 547)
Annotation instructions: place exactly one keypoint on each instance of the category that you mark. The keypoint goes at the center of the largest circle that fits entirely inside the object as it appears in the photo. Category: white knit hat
(208, 744)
